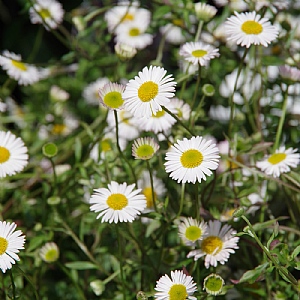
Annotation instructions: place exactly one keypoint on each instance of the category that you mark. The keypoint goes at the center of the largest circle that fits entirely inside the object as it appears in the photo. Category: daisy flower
(190, 231)
(239, 5)
(191, 160)
(159, 122)
(91, 91)
(198, 53)
(144, 148)
(125, 51)
(118, 203)
(22, 72)
(149, 91)
(279, 162)
(58, 94)
(126, 12)
(47, 12)
(217, 245)
(11, 242)
(49, 252)
(111, 95)
(180, 287)
(173, 34)
(250, 28)
(204, 11)
(182, 109)
(145, 184)
(290, 73)
(134, 34)
(13, 154)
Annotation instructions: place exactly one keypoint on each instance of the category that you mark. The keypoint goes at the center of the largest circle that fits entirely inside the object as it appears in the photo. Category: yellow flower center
(178, 292)
(105, 145)
(233, 165)
(134, 31)
(51, 255)
(117, 201)
(276, 158)
(252, 27)
(145, 151)
(113, 99)
(18, 64)
(3, 245)
(212, 245)
(199, 53)
(193, 233)
(128, 17)
(148, 91)
(59, 128)
(179, 113)
(159, 114)
(44, 13)
(4, 155)
(178, 22)
(148, 194)
(191, 158)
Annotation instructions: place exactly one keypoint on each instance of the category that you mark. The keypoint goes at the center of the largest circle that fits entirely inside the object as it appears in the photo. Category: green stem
(119, 148)
(178, 120)
(231, 102)
(197, 86)
(197, 201)
(181, 200)
(12, 285)
(152, 185)
(160, 50)
(286, 273)
(29, 280)
(281, 121)
(200, 25)
(120, 246)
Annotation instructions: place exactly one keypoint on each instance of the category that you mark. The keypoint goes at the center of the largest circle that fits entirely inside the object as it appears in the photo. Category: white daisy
(274, 4)
(191, 230)
(125, 51)
(118, 203)
(13, 154)
(144, 148)
(126, 12)
(24, 73)
(146, 93)
(58, 94)
(279, 162)
(288, 72)
(198, 53)
(111, 95)
(182, 109)
(47, 12)
(159, 122)
(134, 34)
(180, 287)
(204, 11)
(11, 242)
(250, 28)
(173, 34)
(191, 160)
(127, 125)
(145, 184)
(91, 91)
(49, 252)
(217, 245)
(239, 5)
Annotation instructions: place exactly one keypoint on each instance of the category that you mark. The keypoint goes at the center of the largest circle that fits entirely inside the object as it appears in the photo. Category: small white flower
(198, 53)
(149, 91)
(47, 12)
(49, 252)
(204, 11)
(13, 154)
(11, 242)
(125, 51)
(22, 72)
(191, 230)
(191, 160)
(288, 72)
(217, 245)
(144, 148)
(111, 95)
(118, 203)
(250, 28)
(180, 287)
(181, 108)
(279, 162)
(58, 94)
(173, 34)
(91, 91)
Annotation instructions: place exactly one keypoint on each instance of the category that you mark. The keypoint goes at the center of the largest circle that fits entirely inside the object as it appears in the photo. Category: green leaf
(295, 253)
(161, 11)
(272, 61)
(252, 275)
(81, 265)
(77, 149)
(155, 224)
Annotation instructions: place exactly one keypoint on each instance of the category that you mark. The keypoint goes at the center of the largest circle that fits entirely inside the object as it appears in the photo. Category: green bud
(141, 296)
(53, 200)
(97, 286)
(208, 90)
(49, 150)
(238, 212)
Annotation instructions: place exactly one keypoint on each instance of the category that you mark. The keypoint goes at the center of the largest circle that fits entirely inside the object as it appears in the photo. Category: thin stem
(231, 102)
(160, 50)
(119, 148)
(181, 200)
(13, 285)
(286, 273)
(197, 86)
(178, 120)
(120, 246)
(29, 280)
(281, 121)
(197, 201)
(199, 29)
(152, 185)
